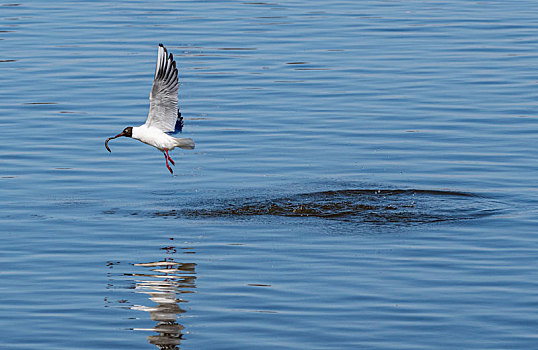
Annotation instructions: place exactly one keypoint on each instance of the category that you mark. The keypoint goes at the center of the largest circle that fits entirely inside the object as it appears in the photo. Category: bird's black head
(128, 132)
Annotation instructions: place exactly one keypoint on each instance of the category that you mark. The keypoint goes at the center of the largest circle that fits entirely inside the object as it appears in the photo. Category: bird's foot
(170, 159)
(166, 157)
(171, 171)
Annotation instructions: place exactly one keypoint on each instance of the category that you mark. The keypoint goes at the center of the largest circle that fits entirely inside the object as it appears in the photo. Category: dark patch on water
(356, 205)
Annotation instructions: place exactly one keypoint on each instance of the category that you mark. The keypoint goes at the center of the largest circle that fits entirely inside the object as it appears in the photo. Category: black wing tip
(179, 122)
(165, 50)
(166, 69)
(169, 56)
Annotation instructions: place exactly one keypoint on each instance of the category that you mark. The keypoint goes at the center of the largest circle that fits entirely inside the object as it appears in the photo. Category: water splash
(377, 206)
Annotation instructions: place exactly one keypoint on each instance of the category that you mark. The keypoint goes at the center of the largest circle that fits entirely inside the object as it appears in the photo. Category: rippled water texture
(364, 176)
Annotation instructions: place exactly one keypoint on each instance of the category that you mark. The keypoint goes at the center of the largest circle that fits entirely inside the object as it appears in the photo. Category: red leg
(168, 166)
(170, 159)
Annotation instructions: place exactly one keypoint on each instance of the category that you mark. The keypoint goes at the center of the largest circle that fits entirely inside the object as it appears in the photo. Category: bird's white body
(157, 138)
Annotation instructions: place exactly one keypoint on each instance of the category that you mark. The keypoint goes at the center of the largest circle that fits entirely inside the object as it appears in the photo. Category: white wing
(163, 112)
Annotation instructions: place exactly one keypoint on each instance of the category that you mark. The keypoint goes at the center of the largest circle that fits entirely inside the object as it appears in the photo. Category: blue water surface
(364, 176)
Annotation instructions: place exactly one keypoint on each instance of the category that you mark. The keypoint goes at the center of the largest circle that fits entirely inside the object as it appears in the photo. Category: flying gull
(164, 118)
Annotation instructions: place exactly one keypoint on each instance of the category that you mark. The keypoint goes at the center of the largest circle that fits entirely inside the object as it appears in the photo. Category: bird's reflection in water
(166, 283)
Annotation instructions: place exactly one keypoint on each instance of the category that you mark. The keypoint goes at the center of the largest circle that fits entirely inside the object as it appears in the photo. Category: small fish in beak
(127, 132)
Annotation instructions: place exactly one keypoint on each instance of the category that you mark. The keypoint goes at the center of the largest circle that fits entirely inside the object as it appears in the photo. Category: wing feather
(163, 111)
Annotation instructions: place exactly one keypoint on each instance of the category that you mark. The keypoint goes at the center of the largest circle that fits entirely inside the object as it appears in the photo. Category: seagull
(164, 118)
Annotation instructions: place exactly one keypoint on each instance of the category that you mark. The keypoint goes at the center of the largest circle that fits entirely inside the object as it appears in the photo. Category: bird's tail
(184, 143)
